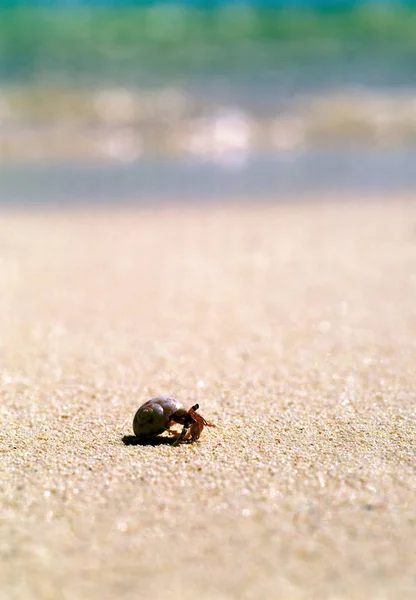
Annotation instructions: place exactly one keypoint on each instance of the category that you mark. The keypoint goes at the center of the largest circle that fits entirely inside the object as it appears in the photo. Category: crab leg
(183, 433)
(188, 420)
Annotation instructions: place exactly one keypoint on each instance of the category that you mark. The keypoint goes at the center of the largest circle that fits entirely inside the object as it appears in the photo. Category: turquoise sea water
(374, 43)
(236, 93)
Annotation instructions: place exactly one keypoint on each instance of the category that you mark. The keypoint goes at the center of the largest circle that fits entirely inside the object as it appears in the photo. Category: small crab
(158, 414)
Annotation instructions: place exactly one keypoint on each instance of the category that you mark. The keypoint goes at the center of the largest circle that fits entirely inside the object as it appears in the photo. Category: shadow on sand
(132, 440)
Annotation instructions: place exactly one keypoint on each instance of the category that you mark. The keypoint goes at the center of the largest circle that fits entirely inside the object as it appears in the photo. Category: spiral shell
(155, 416)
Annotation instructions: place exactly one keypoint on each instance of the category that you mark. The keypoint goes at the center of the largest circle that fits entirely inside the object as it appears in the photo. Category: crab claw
(198, 423)
(193, 424)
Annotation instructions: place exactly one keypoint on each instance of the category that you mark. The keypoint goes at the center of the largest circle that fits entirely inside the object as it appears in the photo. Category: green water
(176, 83)
(145, 45)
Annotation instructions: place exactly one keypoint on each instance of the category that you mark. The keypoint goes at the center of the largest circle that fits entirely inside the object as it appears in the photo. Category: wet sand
(294, 327)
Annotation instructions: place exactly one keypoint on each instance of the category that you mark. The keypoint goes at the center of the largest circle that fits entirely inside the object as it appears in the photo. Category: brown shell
(154, 416)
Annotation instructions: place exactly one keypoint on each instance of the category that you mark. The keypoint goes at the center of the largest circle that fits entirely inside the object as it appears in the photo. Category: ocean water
(175, 101)
(263, 179)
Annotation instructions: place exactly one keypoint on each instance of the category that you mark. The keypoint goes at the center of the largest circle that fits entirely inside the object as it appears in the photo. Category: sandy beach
(293, 326)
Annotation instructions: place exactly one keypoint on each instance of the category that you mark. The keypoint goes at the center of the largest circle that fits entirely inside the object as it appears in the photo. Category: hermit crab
(159, 414)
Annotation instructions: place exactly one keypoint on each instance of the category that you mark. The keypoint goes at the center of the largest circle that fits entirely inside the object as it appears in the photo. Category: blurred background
(119, 101)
